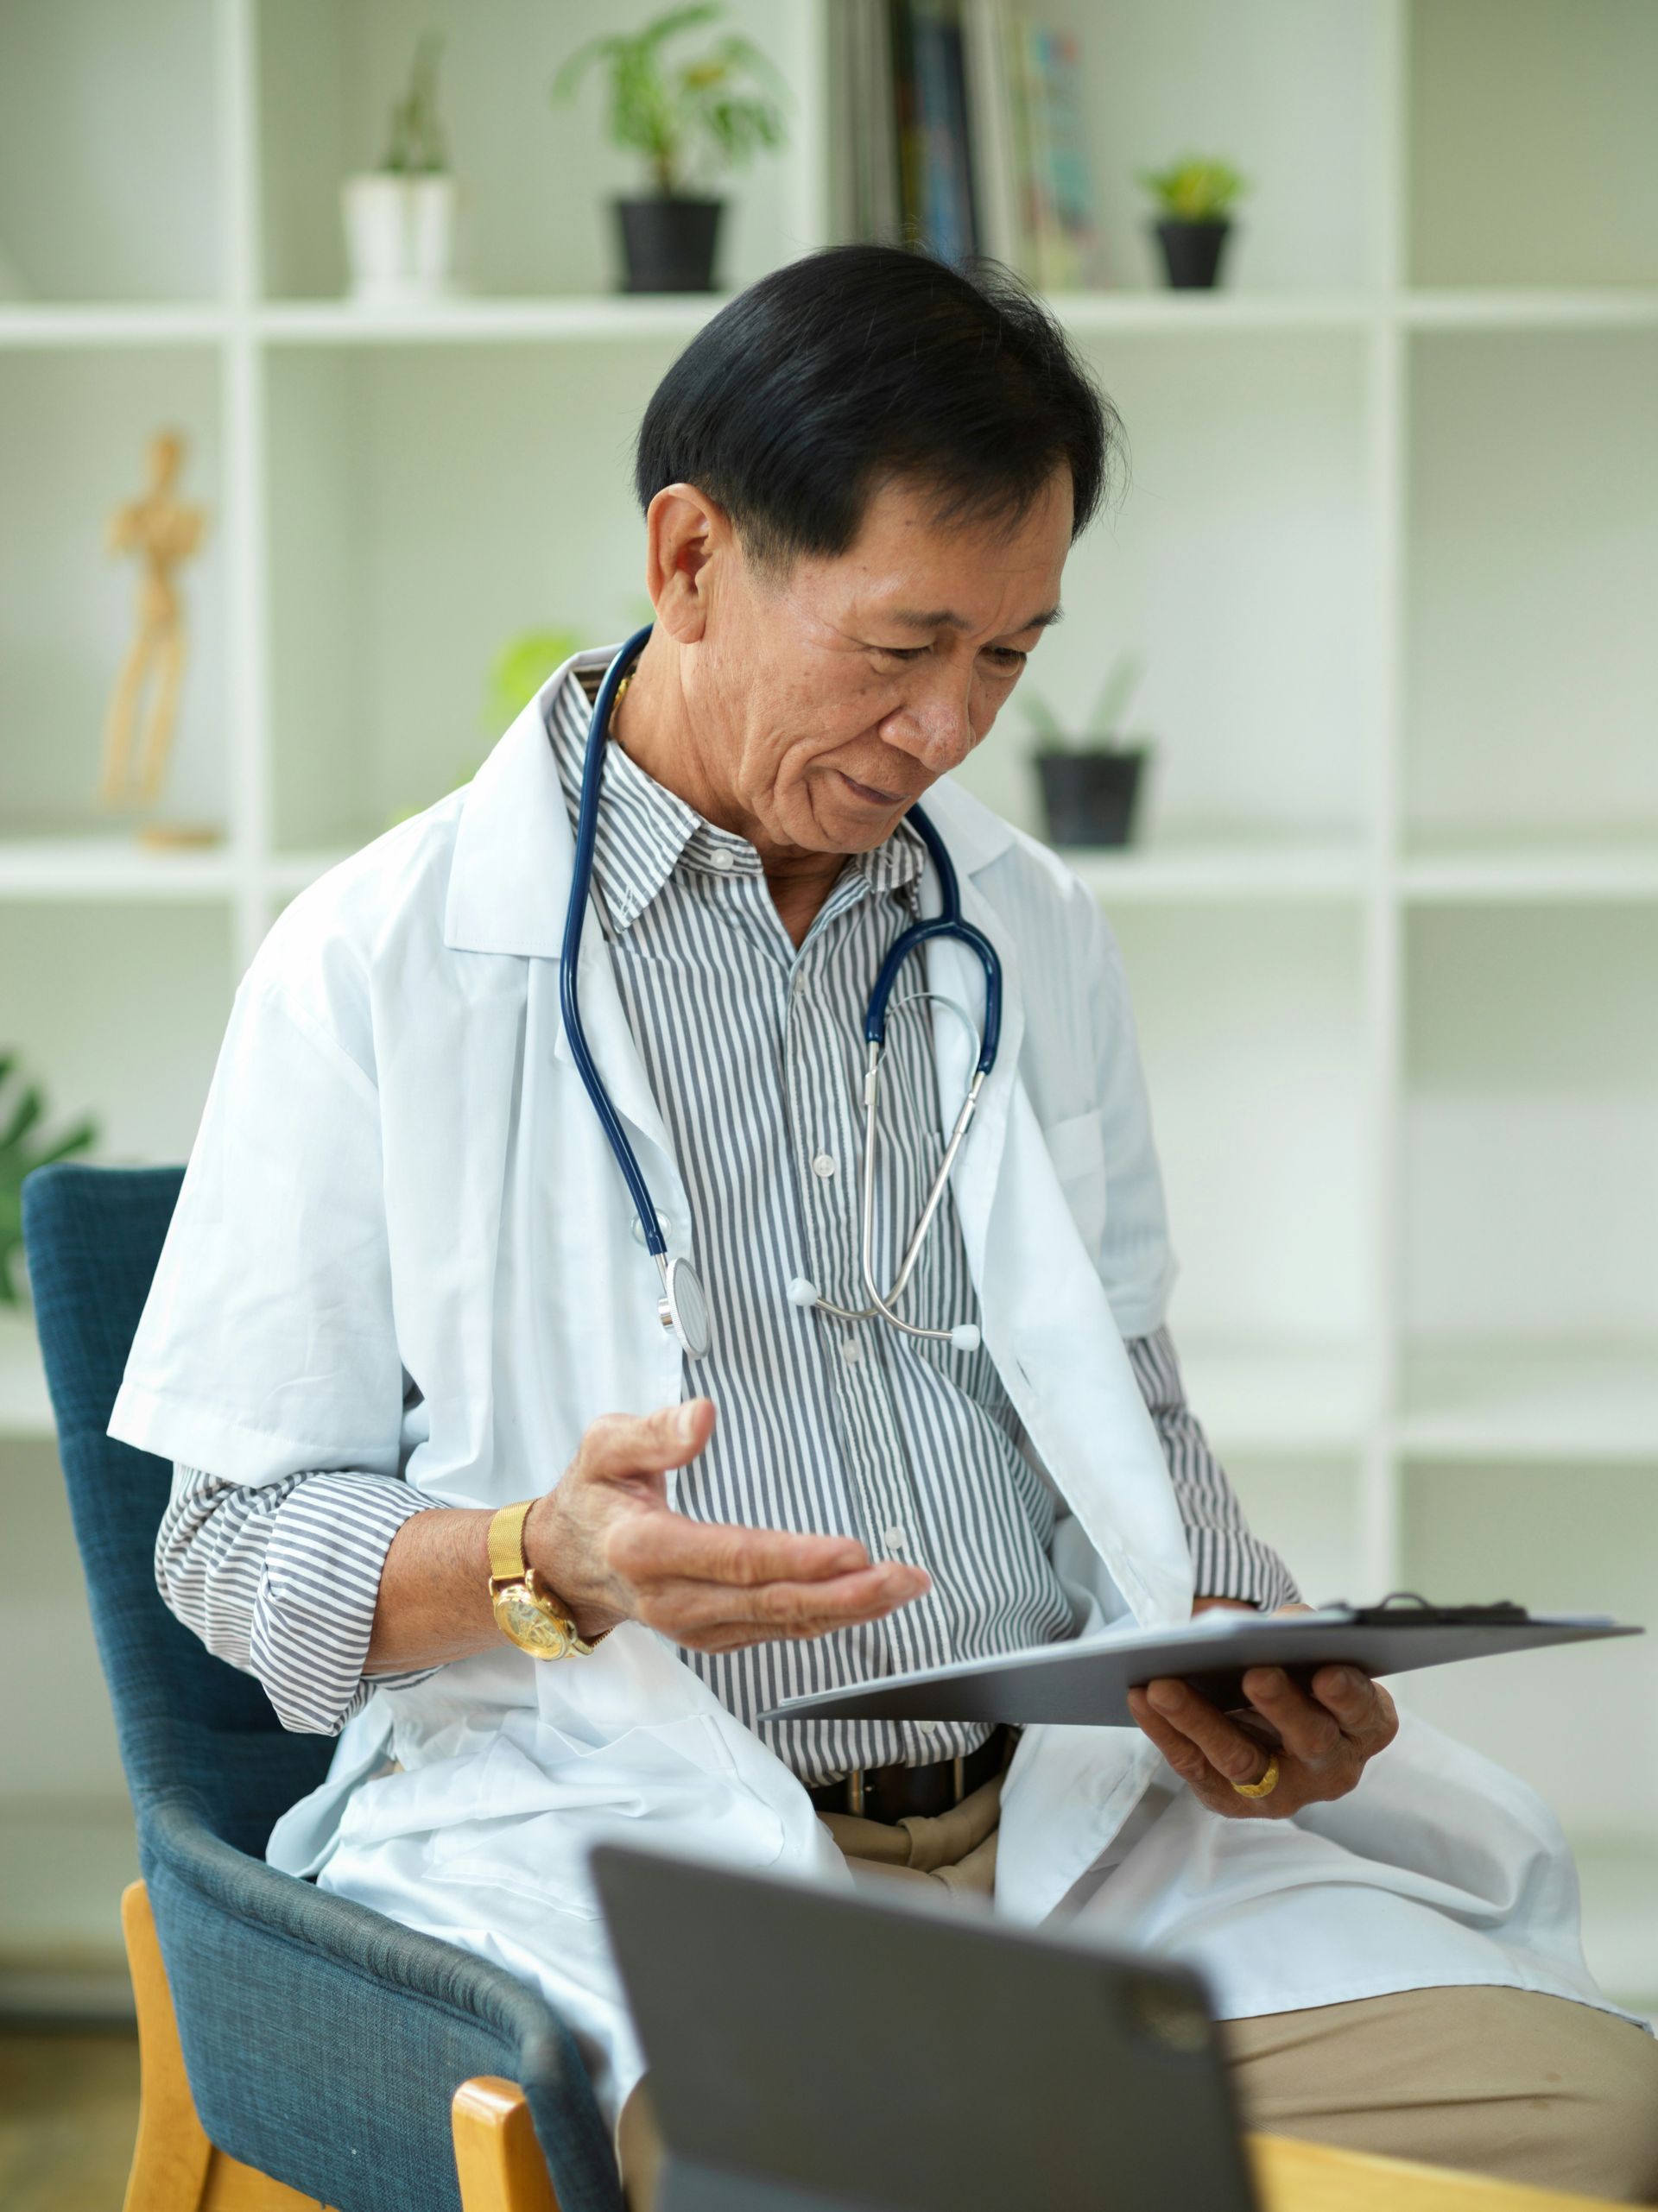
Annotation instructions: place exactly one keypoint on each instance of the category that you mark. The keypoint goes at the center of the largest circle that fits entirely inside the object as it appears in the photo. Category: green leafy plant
(1100, 729)
(516, 673)
(519, 670)
(415, 143)
(691, 118)
(1194, 190)
(21, 1151)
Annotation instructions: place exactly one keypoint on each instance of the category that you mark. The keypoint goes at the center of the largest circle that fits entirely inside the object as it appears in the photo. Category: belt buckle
(854, 1780)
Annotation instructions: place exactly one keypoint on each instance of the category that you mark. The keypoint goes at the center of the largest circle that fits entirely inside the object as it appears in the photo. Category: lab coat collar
(509, 877)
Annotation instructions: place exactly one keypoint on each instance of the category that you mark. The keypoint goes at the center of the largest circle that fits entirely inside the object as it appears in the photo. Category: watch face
(533, 1631)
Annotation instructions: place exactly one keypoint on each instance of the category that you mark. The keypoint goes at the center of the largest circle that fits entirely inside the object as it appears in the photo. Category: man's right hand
(606, 1541)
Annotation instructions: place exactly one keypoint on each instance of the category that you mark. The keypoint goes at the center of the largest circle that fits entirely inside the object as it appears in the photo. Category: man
(406, 1291)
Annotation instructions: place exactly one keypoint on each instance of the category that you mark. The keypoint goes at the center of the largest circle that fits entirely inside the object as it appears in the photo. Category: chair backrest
(186, 1721)
(323, 2043)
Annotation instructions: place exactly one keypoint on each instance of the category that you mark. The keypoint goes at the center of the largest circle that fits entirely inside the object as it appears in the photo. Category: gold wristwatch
(532, 1618)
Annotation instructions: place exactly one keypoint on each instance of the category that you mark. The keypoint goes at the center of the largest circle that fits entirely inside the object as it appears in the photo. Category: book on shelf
(959, 126)
(1054, 180)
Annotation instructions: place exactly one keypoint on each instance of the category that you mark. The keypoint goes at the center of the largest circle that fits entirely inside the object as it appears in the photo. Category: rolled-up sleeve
(282, 1581)
(1227, 1560)
(268, 1344)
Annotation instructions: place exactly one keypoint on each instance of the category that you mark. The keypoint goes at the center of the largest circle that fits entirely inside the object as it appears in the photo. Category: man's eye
(902, 652)
(1009, 656)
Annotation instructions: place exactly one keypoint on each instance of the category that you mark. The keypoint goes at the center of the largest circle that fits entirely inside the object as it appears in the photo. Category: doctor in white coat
(403, 1249)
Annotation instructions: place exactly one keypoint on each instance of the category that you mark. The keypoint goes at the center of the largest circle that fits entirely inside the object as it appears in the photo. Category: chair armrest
(324, 2042)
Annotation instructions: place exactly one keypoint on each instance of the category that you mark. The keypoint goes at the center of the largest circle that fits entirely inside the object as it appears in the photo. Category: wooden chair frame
(176, 2168)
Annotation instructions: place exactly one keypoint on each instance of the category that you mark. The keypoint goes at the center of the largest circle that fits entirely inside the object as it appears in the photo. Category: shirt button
(823, 1163)
(851, 1350)
(894, 1538)
(722, 858)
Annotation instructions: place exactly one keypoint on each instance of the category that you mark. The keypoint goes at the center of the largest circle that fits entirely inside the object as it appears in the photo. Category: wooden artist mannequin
(164, 534)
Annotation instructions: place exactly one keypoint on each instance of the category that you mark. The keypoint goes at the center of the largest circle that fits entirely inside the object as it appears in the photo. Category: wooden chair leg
(497, 2156)
(171, 2158)
(175, 2167)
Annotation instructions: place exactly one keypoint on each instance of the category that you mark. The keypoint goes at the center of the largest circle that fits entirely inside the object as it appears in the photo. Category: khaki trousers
(1500, 2082)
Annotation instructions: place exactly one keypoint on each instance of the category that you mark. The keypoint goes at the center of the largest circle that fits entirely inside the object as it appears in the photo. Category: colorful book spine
(961, 129)
(934, 129)
(1054, 184)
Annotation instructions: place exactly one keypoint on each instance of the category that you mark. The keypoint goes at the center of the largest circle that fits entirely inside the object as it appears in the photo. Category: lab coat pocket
(1077, 1147)
(536, 1809)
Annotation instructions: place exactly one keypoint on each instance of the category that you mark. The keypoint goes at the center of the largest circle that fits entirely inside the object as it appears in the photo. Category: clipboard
(1086, 1684)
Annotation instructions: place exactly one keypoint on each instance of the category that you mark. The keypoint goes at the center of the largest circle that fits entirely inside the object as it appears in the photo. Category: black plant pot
(667, 245)
(1191, 253)
(1091, 798)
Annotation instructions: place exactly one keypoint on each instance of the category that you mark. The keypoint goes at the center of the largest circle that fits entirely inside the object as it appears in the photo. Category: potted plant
(520, 668)
(1194, 195)
(689, 120)
(23, 1148)
(399, 219)
(1090, 785)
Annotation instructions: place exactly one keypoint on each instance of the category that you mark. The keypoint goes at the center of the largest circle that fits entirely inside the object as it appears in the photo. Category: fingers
(1179, 1750)
(1326, 1738)
(713, 1617)
(1363, 1709)
(635, 1444)
(1223, 1747)
(710, 1585)
(661, 1546)
(1306, 1728)
(1345, 1709)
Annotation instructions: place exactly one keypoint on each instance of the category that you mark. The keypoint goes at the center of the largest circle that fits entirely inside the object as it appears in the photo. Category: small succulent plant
(1101, 726)
(1194, 190)
(415, 143)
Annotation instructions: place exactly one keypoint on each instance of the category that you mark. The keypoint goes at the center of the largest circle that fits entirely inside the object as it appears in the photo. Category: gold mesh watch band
(506, 1560)
(507, 1567)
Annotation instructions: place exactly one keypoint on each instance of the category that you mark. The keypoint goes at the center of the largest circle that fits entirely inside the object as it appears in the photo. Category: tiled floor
(68, 2112)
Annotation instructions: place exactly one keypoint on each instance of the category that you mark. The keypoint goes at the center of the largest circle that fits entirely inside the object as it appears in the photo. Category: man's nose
(935, 725)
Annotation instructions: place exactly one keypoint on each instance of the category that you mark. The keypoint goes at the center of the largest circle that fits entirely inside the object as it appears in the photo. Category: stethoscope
(683, 1307)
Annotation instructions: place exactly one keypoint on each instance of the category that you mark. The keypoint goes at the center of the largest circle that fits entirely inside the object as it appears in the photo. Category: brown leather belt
(897, 1792)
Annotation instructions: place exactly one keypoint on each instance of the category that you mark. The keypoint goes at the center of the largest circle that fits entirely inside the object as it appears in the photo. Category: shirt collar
(646, 832)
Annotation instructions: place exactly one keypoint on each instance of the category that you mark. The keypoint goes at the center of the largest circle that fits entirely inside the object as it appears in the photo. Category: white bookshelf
(1387, 542)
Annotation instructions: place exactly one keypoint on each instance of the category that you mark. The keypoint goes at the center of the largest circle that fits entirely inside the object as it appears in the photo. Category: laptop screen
(914, 2057)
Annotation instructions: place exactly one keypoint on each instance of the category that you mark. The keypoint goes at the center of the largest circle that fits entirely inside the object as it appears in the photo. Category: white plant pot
(431, 232)
(400, 238)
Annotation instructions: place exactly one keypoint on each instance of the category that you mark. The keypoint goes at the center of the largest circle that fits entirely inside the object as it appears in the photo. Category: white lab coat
(403, 1244)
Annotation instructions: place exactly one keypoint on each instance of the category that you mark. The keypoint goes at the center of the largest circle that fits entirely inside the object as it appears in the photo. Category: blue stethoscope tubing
(683, 1308)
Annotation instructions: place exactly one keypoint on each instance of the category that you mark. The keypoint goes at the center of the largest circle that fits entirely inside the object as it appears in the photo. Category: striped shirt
(753, 1050)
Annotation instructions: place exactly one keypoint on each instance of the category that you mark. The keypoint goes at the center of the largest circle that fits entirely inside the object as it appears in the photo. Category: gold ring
(1264, 1787)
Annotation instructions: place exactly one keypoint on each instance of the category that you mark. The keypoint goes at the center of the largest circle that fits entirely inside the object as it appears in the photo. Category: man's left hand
(1324, 1739)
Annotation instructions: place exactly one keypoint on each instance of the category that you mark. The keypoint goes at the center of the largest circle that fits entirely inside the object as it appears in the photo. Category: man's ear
(689, 541)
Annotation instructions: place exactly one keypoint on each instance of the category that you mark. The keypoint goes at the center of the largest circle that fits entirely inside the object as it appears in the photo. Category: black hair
(865, 362)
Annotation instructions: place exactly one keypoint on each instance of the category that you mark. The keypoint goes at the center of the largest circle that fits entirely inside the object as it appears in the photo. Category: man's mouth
(870, 795)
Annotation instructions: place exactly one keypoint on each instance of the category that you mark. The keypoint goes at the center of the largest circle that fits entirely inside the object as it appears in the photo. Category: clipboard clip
(1408, 1609)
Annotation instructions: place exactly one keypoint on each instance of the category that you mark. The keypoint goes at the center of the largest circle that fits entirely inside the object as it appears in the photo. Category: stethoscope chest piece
(683, 1307)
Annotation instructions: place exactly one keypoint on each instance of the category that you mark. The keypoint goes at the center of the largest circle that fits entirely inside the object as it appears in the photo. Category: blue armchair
(324, 2045)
